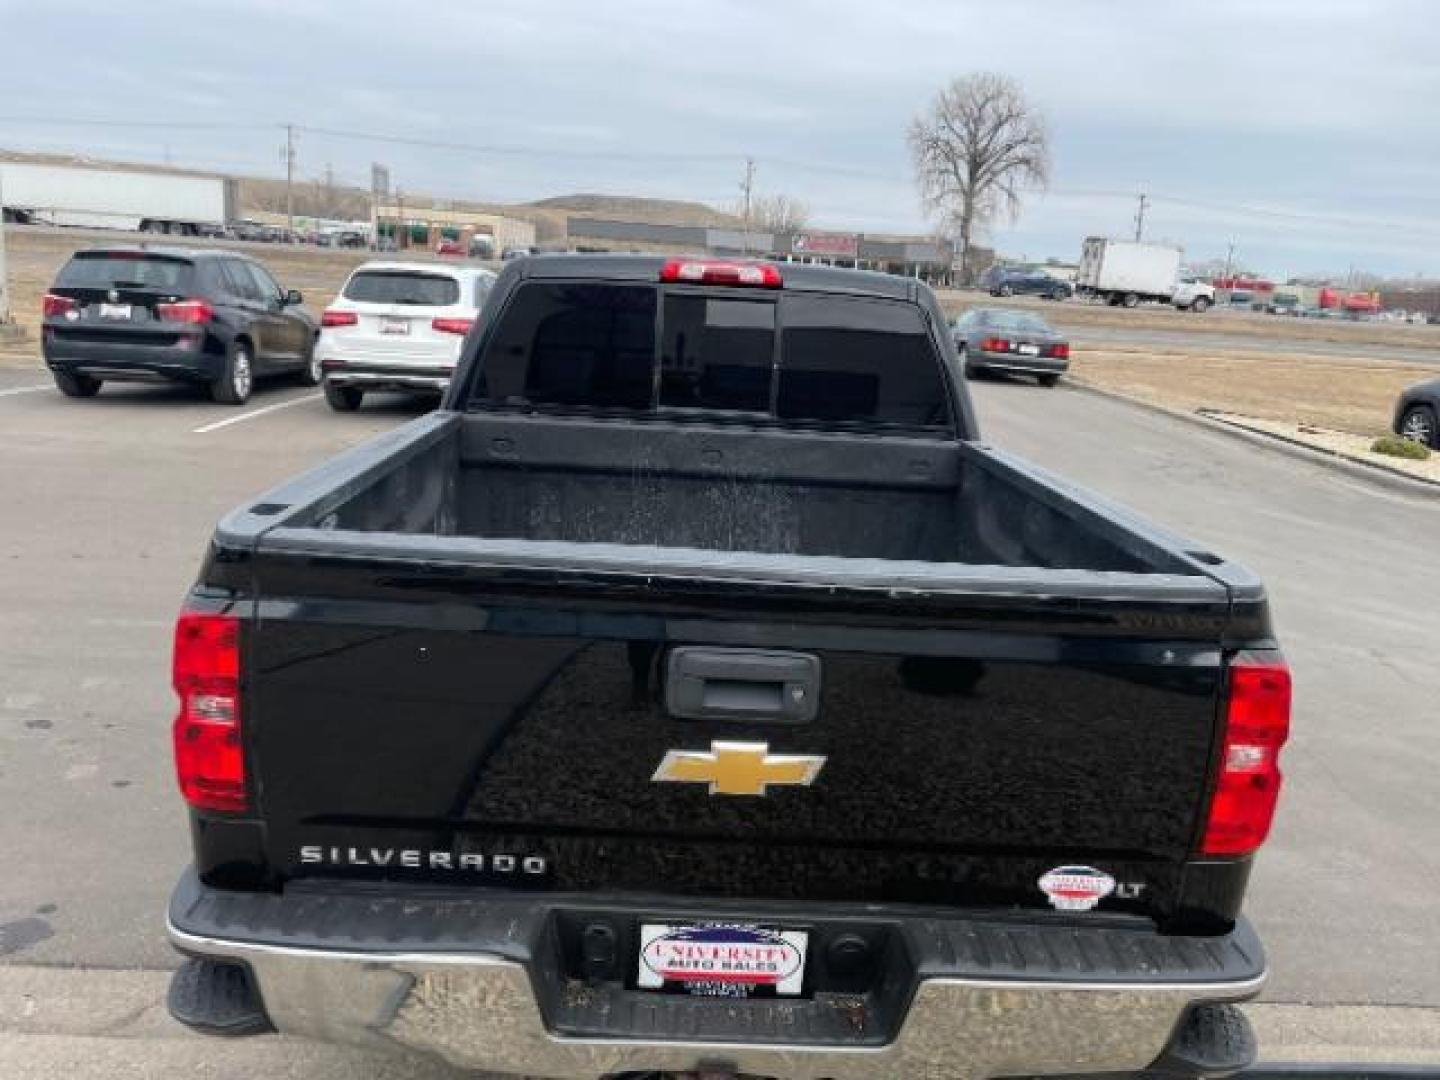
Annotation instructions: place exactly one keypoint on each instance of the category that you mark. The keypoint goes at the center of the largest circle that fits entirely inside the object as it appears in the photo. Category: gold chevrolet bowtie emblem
(738, 768)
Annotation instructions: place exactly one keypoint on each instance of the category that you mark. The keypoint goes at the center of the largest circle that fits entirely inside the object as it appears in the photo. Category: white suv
(398, 326)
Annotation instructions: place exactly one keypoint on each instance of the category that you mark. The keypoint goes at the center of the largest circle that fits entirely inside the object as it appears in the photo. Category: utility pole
(289, 153)
(1229, 262)
(1140, 216)
(746, 185)
(329, 190)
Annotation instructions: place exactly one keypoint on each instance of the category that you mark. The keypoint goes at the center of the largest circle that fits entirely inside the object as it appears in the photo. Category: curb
(1398, 482)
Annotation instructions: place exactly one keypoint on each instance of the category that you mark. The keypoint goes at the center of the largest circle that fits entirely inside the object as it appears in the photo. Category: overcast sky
(1305, 131)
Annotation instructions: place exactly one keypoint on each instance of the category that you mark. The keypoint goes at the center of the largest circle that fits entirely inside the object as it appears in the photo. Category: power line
(175, 125)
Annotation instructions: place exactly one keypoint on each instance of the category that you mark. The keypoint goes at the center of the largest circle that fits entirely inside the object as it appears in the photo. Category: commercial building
(426, 226)
(913, 256)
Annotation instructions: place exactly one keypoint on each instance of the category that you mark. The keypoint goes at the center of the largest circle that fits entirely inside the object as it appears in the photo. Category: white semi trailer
(108, 198)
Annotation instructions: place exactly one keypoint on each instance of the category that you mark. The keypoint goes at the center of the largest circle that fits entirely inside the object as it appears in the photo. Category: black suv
(145, 313)
(1034, 282)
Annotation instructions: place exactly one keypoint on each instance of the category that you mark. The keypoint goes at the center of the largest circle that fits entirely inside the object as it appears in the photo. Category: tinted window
(237, 280)
(483, 285)
(848, 359)
(265, 285)
(587, 346)
(717, 354)
(109, 270)
(403, 287)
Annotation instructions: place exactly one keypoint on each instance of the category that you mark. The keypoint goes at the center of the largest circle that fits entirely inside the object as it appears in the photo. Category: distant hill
(634, 208)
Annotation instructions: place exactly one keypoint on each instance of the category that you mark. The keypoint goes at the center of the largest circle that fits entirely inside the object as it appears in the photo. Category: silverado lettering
(958, 765)
(414, 859)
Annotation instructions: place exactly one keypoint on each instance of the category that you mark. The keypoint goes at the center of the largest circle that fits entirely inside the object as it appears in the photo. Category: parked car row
(218, 319)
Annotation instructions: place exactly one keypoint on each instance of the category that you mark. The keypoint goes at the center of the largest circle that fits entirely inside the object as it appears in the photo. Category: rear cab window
(126, 270)
(792, 358)
(410, 288)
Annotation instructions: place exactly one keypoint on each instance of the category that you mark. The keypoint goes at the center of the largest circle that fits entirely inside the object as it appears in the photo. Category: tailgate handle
(742, 684)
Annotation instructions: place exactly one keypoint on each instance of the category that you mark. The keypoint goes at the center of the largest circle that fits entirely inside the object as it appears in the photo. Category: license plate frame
(730, 960)
(389, 324)
(1029, 350)
(117, 311)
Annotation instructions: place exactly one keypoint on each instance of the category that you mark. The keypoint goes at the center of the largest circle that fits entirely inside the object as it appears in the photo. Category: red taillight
(1257, 722)
(995, 344)
(209, 756)
(186, 311)
(1060, 352)
(332, 317)
(721, 272)
(54, 306)
(452, 326)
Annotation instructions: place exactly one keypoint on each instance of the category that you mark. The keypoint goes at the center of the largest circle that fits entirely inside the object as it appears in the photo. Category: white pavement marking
(252, 414)
(26, 389)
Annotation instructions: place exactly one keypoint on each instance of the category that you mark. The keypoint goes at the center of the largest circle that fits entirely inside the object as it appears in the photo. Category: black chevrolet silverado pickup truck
(697, 691)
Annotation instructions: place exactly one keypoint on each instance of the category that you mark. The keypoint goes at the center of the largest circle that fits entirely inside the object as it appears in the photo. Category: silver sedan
(1000, 339)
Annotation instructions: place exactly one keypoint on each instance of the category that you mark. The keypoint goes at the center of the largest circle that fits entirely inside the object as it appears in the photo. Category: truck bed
(461, 631)
(736, 491)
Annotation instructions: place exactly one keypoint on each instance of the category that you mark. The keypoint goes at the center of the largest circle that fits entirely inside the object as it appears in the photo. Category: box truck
(1126, 272)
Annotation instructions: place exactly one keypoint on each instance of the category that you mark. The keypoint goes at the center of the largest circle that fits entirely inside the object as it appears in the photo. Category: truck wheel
(238, 379)
(1129, 300)
(343, 398)
(1059, 294)
(1200, 304)
(75, 385)
(1419, 424)
(1004, 290)
(1113, 299)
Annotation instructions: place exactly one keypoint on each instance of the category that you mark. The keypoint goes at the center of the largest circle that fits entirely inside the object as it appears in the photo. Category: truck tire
(1113, 299)
(1059, 294)
(238, 379)
(343, 398)
(75, 385)
(1004, 290)
(1200, 305)
(1130, 299)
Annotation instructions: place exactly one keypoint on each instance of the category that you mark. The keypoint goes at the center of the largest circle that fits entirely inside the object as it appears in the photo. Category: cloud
(1320, 107)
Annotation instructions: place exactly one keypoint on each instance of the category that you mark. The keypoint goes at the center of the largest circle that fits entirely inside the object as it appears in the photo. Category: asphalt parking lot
(107, 505)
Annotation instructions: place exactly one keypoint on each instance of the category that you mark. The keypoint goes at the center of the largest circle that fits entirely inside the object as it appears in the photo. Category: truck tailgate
(413, 717)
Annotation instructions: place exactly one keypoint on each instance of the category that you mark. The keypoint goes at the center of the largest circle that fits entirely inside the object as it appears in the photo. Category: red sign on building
(845, 245)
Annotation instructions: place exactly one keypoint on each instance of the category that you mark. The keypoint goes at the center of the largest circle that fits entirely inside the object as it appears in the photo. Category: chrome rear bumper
(484, 1011)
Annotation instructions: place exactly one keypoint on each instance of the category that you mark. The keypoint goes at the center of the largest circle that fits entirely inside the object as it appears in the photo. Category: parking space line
(26, 389)
(252, 414)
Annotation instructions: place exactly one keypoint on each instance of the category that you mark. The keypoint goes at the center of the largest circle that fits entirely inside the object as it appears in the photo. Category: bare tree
(781, 213)
(976, 147)
(775, 213)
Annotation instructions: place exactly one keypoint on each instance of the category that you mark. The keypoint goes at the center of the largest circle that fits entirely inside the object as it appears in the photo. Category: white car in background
(398, 326)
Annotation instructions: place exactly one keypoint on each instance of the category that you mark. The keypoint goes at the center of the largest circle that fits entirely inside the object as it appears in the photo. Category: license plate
(115, 311)
(1029, 350)
(721, 960)
(395, 326)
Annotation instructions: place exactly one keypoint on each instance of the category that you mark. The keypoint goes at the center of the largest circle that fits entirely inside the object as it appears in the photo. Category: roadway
(109, 502)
